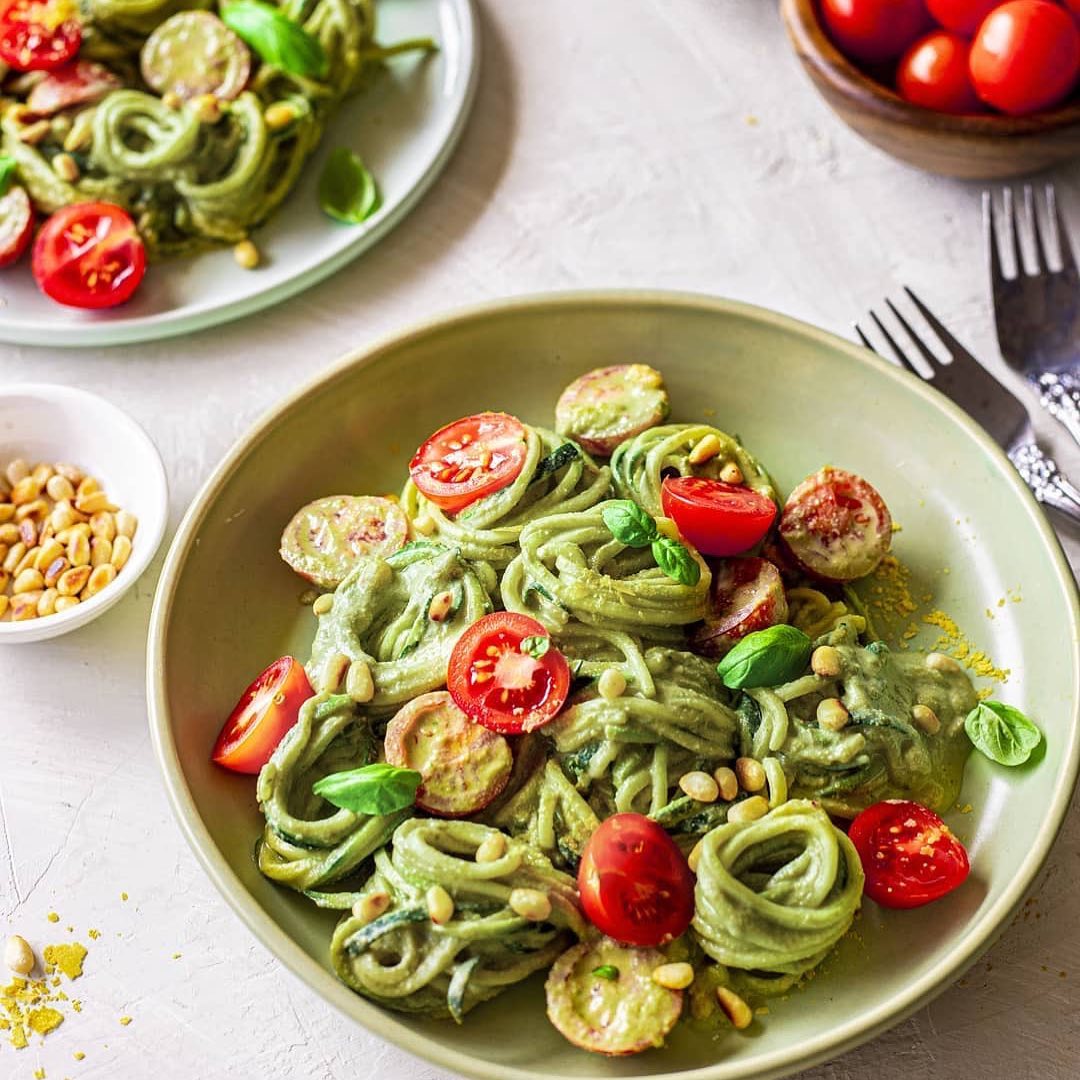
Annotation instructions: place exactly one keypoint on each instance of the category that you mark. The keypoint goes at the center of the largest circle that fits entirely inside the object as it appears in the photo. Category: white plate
(405, 127)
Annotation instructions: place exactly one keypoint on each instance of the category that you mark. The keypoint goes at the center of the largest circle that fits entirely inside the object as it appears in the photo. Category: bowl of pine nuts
(83, 506)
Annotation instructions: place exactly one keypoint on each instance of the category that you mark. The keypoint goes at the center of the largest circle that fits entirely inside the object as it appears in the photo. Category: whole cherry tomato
(875, 30)
(934, 73)
(963, 16)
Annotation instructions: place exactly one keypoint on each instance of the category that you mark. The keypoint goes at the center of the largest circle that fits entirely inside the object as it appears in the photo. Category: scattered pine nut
(832, 714)
(926, 719)
(279, 115)
(423, 524)
(531, 904)
(757, 806)
(736, 1010)
(246, 255)
(750, 773)
(359, 684)
(440, 606)
(705, 450)
(491, 849)
(440, 905)
(323, 604)
(936, 661)
(728, 783)
(611, 684)
(674, 976)
(18, 956)
(825, 662)
(370, 907)
(66, 167)
(731, 473)
(700, 786)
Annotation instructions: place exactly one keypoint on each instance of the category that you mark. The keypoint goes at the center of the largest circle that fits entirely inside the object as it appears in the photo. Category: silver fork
(990, 404)
(1037, 308)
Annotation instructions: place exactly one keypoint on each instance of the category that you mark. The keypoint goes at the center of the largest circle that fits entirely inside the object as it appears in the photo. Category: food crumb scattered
(966, 808)
(39, 1074)
(125, 1020)
(93, 934)
(956, 644)
(53, 917)
(176, 955)
(752, 120)
(78, 1055)
(66, 958)
(124, 896)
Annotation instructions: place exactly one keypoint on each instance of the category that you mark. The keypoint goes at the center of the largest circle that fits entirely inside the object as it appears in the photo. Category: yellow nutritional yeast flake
(125, 1020)
(30, 1006)
(67, 958)
(953, 641)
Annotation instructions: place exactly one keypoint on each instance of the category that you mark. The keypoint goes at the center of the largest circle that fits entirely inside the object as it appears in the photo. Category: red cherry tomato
(933, 73)
(80, 83)
(635, 883)
(1073, 6)
(89, 256)
(908, 854)
(265, 711)
(1026, 56)
(469, 459)
(746, 595)
(39, 35)
(16, 224)
(874, 30)
(963, 16)
(717, 518)
(506, 674)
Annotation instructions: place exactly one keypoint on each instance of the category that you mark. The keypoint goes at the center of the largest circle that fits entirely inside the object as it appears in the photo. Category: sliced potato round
(607, 406)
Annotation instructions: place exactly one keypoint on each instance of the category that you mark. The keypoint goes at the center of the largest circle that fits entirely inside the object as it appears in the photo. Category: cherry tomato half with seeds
(717, 518)
(468, 459)
(16, 224)
(265, 712)
(89, 255)
(874, 30)
(506, 674)
(39, 35)
(635, 884)
(908, 854)
(933, 73)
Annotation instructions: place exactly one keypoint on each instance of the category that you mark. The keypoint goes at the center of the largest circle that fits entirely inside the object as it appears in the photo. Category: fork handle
(1059, 395)
(1047, 484)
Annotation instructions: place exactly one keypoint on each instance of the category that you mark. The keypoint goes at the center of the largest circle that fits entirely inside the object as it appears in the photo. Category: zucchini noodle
(404, 960)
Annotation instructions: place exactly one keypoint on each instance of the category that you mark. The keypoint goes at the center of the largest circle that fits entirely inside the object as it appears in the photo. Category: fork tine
(864, 339)
(1053, 212)
(896, 350)
(924, 350)
(997, 274)
(1042, 254)
(1013, 240)
(954, 346)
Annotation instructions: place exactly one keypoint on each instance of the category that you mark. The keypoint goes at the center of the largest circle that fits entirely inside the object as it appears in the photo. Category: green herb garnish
(278, 40)
(7, 173)
(766, 658)
(536, 646)
(676, 561)
(1002, 733)
(347, 190)
(636, 528)
(372, 789)
(607, 971)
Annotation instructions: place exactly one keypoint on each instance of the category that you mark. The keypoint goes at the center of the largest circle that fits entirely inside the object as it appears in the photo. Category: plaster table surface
(614, 143)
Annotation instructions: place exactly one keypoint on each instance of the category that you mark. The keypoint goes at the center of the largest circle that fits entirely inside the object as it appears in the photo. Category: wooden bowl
(986, 147)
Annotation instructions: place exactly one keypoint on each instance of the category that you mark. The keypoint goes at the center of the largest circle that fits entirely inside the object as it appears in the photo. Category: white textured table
(614, 143)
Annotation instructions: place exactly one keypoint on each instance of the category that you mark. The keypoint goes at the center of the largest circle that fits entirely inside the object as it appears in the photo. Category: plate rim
(186, 320)
(828, 1045)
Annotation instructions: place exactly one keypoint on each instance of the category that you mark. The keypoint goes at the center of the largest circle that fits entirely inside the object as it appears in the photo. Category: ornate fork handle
(1059, 395)
(1047, 484)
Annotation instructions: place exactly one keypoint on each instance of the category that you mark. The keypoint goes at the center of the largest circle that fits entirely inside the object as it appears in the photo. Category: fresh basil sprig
(276, 38)
(7, 173)
(607, 971)
(372, 789)
(636, 528)
(1002, 733)
(767, 657)
(347, 190)
(535, 646)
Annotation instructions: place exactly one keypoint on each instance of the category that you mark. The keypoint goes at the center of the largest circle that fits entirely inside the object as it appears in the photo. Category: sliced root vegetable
(326, 537)
(746, 595)
(80, 83)
(464, 766)
(195, 53)
(602, 997)
(605, 407)
(836, 526)
(16, 224)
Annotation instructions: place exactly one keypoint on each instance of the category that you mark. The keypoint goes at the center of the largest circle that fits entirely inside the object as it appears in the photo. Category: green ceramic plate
(226, 606)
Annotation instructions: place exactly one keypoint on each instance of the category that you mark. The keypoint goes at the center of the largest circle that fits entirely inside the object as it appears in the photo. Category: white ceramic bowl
(47, 422)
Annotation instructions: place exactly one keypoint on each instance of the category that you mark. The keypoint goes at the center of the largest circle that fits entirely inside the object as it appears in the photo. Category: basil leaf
(1002, 733)
(347, 191)
(373, 789)
(7, 173)
(276, 38)
(607, 971)
(535, 646)
(766, 658)
(629, 524)
(673, 558)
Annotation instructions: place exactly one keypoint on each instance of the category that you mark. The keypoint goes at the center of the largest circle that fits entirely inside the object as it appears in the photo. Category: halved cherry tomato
(746, 595)
(265, 711)
(874, 30)
(908, 854)
(468, 459)
(1025, 56)
(717, 518)
(963, 16)
(39, 35)
(16, 224)
(635, 884)
(933, 73)
(80, 83)
(89, 256)
(506, 674)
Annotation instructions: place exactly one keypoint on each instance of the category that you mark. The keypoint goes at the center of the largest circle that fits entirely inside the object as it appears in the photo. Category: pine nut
(28, 581)
(87, 486)
(53, 571)
(71, 582)
(673, 976)
(705, 450)
(78, 550)
(80, 528)
(92, 503)
(100, 576)
(736, 1010)
(207, 109)
(48, 553)
(24, 606)
(246, 255)
(323, 604)
(491, 849)
(700, 786)
(825, 662)
(18, 956)
(26, 490)
(440, 905)
(279, 115)
(59, 487)
(72, 473)
(694, 857)
(832, 714)
(46, 605)
(41, 473)
(172, 100)
(28, 533)
(9, 533)
(440, 606)
(728, 783)
(7, 512)
(36, 509)
(359, 684)
(926, 718)
(100, 551)
(14, 555)
(731, 473)
(26, 562)
(17, 470)
(3, 604)
(750, 773)
(611, 684)
(757, 806)
(333, 671)
(369, 908)
(103, 524)
(126, 523)
(66, 167)
(530, 904)
(936, 661)
(121, 551)
(423, 524)
(63, 515)
(64, 603)
(5, 580)
(33, 133)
